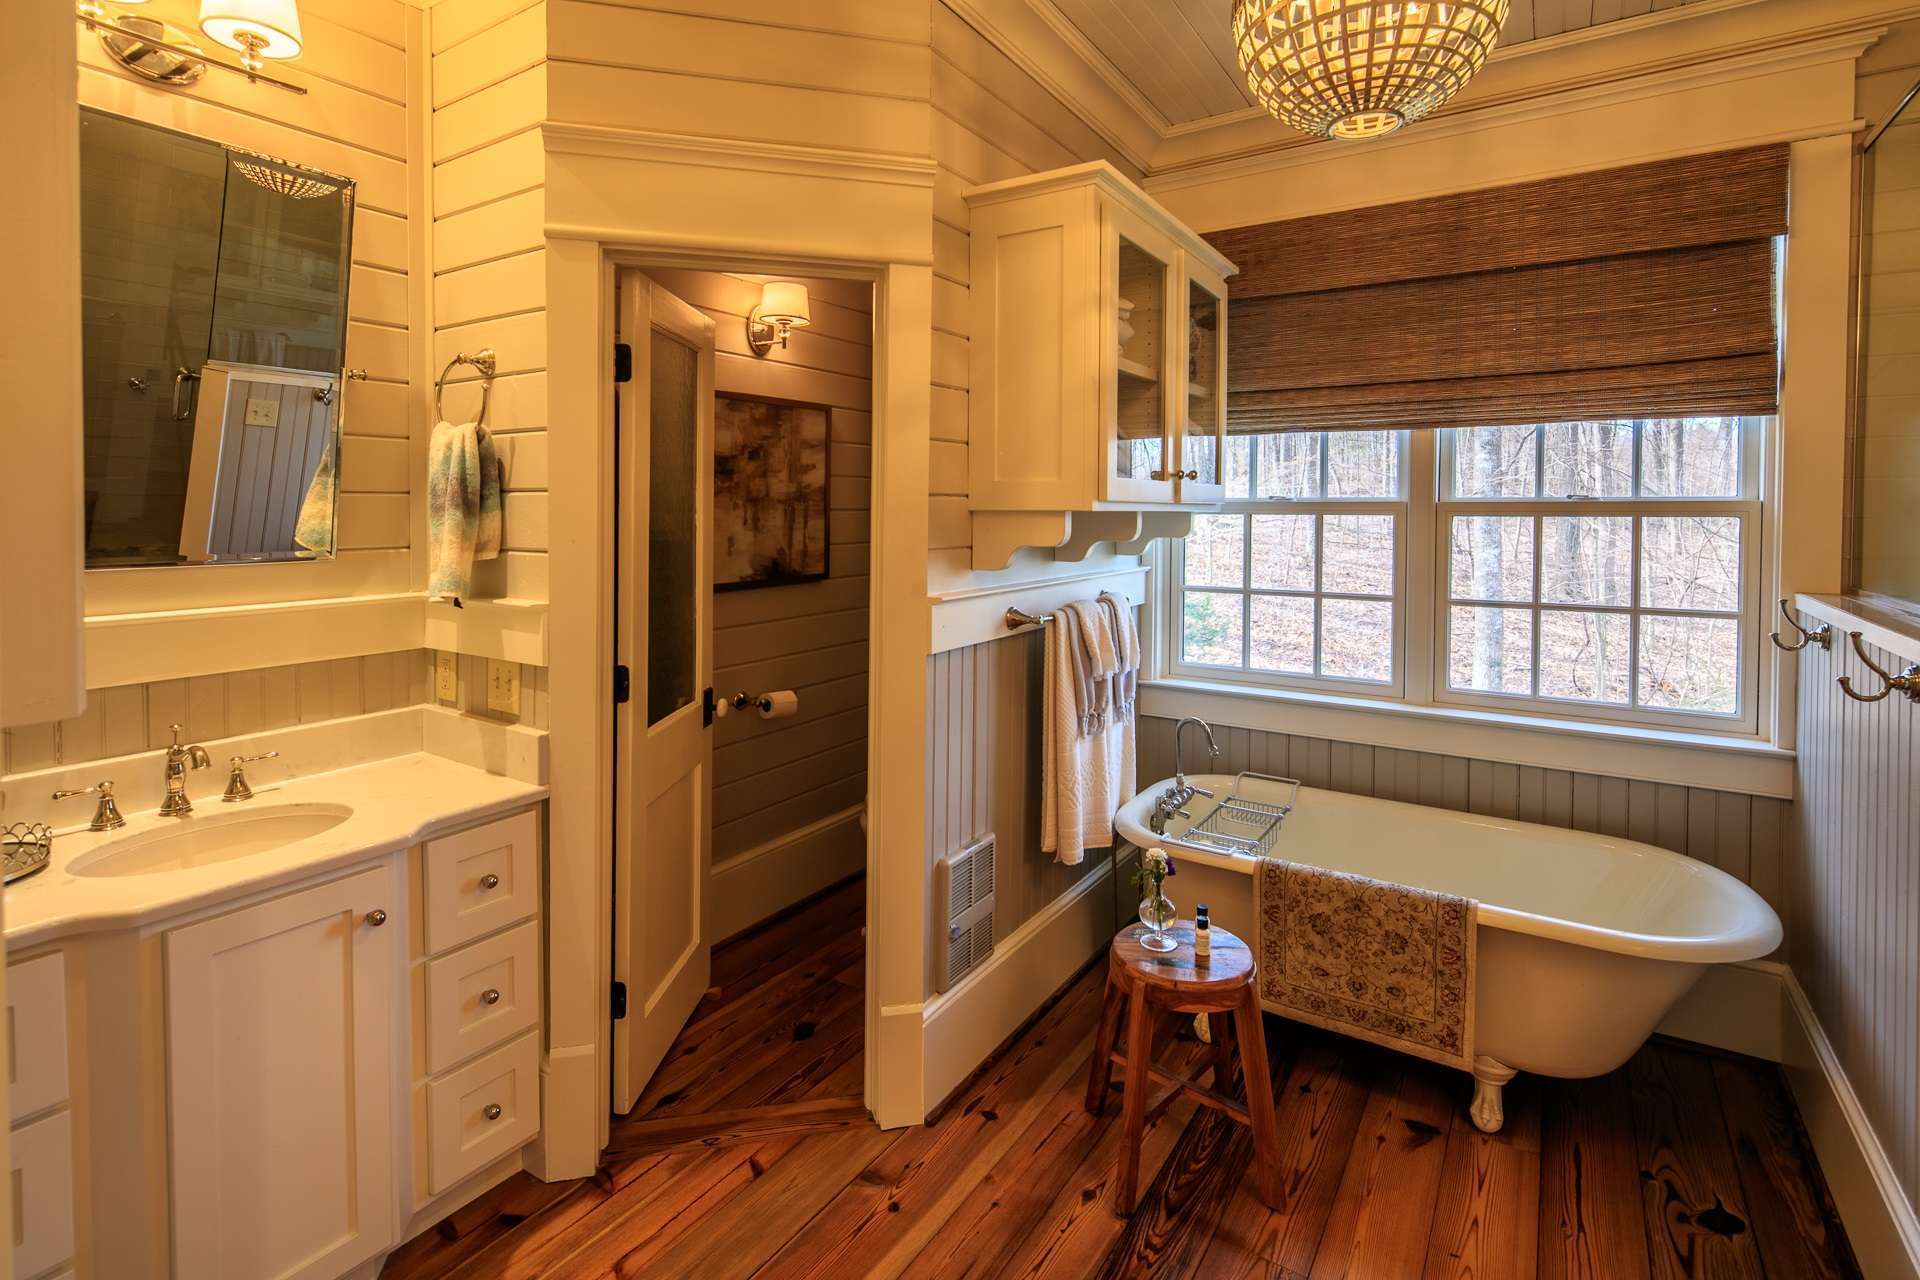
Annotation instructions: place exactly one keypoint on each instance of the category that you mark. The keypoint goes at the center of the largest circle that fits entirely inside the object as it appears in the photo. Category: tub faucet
(1181, 792)
(179, 759)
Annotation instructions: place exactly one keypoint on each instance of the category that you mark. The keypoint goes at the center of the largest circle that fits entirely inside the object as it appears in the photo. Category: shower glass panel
(1885, 447)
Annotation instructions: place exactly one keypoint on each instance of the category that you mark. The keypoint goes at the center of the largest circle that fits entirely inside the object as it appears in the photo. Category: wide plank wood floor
(750, 1155)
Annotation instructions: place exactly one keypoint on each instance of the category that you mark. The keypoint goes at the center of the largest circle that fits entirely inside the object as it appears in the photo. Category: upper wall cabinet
(1098, 361)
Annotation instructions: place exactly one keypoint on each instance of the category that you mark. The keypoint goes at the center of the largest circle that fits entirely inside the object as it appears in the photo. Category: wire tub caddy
(1238, 825)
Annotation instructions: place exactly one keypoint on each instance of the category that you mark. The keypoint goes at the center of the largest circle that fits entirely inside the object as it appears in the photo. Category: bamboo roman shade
(1636, 292)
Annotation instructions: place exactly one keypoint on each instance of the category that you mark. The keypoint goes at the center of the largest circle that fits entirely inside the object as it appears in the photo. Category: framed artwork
(769, 491)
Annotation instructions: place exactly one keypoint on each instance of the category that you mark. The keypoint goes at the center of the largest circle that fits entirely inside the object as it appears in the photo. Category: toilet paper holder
(761, 702)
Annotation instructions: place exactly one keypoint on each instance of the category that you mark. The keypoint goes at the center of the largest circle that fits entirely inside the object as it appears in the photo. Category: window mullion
(1539, 574)
(1633, 604)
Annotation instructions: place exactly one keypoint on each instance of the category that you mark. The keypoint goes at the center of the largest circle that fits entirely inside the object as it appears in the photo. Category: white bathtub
(1586, 941)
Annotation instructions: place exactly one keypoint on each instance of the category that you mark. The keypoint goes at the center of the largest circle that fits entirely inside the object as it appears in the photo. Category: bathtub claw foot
(1489, 1079)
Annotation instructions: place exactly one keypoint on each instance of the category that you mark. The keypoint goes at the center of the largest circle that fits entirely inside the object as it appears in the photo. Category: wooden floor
(750, 1156)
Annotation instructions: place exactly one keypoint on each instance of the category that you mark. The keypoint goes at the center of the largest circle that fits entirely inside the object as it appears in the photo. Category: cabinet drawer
(481, 880)
(42, 1194)
(482, 994)
(36, 1036)
(482, 1111)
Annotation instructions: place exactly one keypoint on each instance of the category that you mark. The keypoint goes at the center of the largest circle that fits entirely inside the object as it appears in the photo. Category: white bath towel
(1087, 773)
(463, 506)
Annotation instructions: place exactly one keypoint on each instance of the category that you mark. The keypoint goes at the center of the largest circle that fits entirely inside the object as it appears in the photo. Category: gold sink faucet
(179, 758)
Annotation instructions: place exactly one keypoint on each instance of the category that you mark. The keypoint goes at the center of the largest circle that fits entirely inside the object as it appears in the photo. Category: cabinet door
(281, 1079)
(1202, 435)
(1143, 312)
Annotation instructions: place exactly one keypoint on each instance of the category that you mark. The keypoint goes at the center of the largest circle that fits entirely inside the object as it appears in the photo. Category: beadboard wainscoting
(1853, 888)
(1742, 835)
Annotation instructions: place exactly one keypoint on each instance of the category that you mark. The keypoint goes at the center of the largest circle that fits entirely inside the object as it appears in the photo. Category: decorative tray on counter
(24, 849)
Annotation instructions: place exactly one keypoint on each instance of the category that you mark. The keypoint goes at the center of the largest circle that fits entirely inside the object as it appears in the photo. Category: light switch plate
(263, 413)
(503, 686)
(446, 675)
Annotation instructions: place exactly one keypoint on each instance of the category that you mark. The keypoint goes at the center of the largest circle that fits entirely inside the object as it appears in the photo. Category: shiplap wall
(1853, 882)
(1742, 835)
(489, 260)
(352, 121)
(773, 777)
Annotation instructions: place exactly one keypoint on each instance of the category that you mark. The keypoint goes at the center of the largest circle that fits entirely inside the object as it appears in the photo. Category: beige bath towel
(1384, 962)
(464, 482)
(1087, 771)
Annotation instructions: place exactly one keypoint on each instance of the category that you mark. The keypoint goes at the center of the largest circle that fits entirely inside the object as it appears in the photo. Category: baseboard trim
(769, 878)
(968, 1022)
(1880, 1223)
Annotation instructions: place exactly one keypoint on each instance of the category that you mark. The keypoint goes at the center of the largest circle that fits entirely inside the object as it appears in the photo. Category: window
(1300, 574)
(1603, 569)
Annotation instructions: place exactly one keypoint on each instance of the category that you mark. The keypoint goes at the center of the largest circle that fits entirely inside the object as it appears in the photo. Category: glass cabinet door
(1203, 407)
(1141, 297)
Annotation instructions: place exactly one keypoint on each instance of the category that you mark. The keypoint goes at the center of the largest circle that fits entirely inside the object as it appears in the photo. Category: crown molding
(831, 163)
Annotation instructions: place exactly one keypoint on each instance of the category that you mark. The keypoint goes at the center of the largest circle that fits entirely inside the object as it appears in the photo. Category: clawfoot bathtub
(1586, 941)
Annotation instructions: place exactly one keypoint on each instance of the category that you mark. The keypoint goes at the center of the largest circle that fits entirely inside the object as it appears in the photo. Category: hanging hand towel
(314, 529)
(1087, 771)
(463, 506)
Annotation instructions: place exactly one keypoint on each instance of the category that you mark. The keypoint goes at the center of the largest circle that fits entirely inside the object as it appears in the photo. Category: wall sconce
(782, 309)
(152, 50)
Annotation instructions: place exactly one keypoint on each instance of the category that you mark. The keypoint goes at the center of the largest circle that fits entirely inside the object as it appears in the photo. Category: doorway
(741, 623)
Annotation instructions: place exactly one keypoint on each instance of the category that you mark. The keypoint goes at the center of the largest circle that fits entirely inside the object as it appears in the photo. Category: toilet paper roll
(779, 704)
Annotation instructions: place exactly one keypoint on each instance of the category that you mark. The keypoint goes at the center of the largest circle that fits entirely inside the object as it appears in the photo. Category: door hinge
(622, 362)
(706, 706)
(619, 1001)
(622, 684)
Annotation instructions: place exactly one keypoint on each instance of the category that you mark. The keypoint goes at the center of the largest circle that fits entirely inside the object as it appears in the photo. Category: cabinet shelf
(1136, 370)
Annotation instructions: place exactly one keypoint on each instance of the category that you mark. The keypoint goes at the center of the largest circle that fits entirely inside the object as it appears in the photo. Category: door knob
(492, 1111)
(490, 996)
(376, 917)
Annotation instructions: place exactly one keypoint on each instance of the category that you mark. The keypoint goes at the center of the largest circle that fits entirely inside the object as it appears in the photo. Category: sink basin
(201, 840)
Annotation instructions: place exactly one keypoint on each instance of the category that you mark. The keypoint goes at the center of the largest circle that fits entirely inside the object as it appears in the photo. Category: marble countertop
(396, 802)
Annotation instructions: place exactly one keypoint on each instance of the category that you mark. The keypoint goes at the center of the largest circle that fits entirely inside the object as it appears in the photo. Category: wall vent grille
(963, 899)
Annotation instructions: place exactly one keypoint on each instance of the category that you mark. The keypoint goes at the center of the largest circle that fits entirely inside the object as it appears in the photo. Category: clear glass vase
(1156, 913)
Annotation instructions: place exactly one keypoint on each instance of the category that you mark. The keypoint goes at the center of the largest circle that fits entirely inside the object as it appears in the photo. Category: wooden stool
(1146, 983)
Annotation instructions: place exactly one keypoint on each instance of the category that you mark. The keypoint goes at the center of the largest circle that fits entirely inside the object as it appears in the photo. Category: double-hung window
(1603, 570)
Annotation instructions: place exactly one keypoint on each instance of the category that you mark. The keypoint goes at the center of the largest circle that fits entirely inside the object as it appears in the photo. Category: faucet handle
(237, 785)
(1200, 791)
(178, 729)
(106, 816)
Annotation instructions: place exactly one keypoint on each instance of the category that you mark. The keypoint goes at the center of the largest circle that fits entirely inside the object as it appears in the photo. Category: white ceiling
(1178, 56)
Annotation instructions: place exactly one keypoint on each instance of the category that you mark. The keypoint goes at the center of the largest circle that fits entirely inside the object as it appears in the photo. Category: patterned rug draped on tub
(1380, 961)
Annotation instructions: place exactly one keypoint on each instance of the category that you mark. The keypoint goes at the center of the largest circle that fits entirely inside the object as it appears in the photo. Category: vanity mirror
(214, 314)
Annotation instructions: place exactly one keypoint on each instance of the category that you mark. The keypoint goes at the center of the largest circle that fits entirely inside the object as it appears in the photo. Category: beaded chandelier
(1361, 68)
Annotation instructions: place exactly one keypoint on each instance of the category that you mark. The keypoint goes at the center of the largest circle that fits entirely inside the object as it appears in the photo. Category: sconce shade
(262, 28)
(782, 302)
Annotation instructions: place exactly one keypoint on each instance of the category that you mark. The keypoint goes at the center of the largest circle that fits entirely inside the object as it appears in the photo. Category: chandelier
(1361, 68)
(285, 179)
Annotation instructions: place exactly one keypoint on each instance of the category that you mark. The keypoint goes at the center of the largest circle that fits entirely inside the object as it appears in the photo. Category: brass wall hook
(1821, 635)
(1907, 682)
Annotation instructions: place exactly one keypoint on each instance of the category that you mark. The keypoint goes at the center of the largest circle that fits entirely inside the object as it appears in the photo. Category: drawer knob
(489, 881)
(492, 1111)
(376, 917)
(490, 996)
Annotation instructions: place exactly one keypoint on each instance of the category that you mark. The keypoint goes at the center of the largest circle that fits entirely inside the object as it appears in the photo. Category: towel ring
(484, 361)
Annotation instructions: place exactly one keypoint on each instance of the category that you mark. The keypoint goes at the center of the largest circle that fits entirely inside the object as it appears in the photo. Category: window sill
(1749, 766)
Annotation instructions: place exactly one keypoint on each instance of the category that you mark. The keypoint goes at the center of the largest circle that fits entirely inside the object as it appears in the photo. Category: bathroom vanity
(277, 1037)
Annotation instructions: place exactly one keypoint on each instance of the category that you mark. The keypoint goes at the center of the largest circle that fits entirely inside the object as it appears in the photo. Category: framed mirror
(214, 322)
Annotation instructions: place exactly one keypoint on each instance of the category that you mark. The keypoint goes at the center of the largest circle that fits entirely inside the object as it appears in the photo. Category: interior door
(663, 732)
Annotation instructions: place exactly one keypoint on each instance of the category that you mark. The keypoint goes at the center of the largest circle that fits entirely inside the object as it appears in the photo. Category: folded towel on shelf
(1384, 962)
(463, 506)
(314, 528)
(1087, 745)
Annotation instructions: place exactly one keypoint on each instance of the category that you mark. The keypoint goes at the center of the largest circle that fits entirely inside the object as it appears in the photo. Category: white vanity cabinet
(1098, 361)
(40, 1144)
(280, 1070)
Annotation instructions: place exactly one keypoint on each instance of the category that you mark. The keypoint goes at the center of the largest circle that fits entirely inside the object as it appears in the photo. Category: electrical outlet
(503, 687)
(446, 676)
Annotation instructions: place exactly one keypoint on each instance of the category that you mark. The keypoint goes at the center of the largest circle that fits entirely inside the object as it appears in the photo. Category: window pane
(1690, 457)
(1363, 464)
(1690, 664)
(1289, 464)
(1584, 656)
(1356, 639)
(1239, 468)
(674, 523)
(1359, 555)
(1282, 634)
(1491, 650)
(1492, 558)
(1493, 462)
(1283, 552)
(1216, 552)
(1211, 631)
(1690, 562)
(1587, 560)
(1593, 459)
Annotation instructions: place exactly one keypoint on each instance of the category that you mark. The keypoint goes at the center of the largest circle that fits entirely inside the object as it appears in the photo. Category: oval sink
(201, 841)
